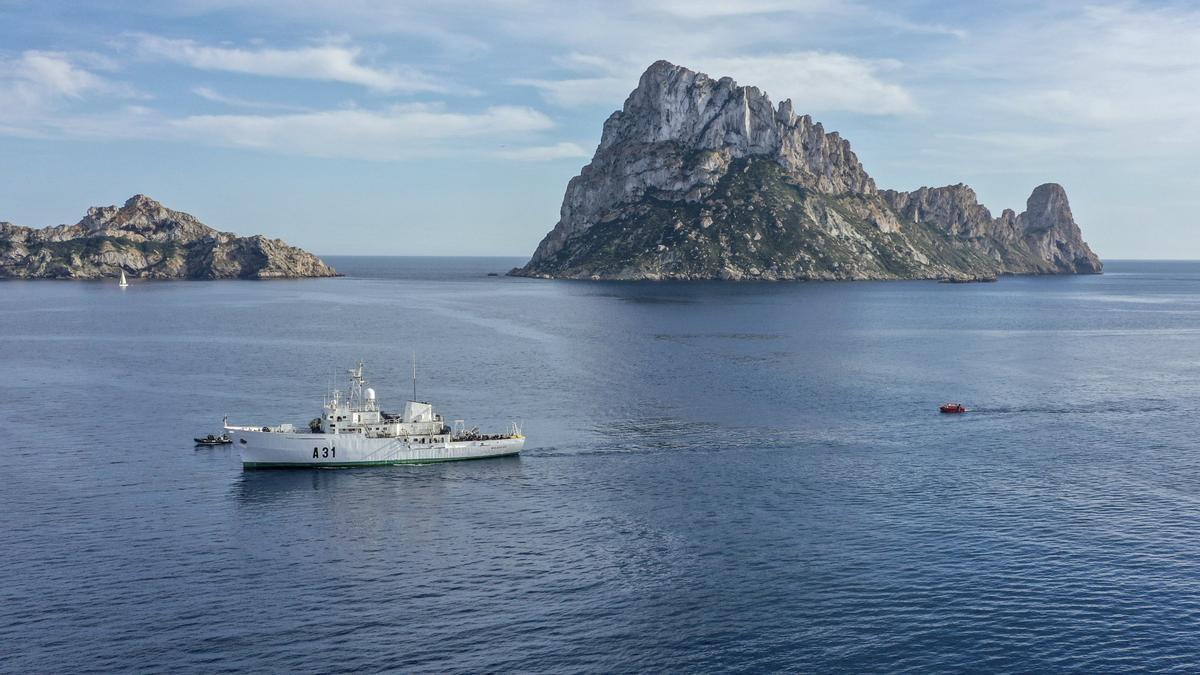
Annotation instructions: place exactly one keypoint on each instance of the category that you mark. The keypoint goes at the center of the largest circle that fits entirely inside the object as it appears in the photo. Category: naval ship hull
(274, 449)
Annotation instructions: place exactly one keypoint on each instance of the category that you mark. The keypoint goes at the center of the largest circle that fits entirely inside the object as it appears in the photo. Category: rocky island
(146, 240)
(698, 178)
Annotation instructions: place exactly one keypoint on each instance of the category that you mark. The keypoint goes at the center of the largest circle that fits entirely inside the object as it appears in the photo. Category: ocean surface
(718, 477)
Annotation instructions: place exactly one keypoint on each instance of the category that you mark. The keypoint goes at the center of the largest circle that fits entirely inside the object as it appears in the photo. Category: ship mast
(356, 387)
(414, 362)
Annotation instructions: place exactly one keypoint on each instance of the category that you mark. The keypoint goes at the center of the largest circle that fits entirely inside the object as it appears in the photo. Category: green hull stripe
(347, 465)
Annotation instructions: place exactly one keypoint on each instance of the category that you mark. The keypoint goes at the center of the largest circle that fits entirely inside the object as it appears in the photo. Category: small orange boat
(950, 408)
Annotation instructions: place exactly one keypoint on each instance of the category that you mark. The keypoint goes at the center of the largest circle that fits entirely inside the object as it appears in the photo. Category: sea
(745, 477)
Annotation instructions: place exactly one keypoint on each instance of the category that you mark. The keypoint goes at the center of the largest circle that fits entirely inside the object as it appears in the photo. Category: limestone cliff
(698, 178)
(144, 239)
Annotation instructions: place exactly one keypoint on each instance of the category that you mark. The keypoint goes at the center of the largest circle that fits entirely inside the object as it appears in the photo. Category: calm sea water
(718, 476)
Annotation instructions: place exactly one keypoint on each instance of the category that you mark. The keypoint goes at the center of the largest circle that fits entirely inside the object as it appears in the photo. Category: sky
(359, 127)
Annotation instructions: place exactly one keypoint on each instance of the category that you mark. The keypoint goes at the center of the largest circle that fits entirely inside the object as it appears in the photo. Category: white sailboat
(124, 283)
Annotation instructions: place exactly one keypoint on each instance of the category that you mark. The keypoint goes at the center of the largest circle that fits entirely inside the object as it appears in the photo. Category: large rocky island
(147, 240)
(704, 179)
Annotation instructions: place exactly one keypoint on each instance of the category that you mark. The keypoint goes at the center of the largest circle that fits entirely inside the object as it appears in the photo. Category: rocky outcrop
(146, 240)
(1044, 239)
(698, 178)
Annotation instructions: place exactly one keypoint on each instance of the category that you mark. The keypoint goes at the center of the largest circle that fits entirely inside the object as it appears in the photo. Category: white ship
(353, 431)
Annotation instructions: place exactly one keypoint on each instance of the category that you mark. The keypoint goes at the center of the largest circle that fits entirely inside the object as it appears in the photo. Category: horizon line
(442, 255)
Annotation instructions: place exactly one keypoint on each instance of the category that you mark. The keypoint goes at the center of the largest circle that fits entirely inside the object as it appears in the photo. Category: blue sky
(373, 127)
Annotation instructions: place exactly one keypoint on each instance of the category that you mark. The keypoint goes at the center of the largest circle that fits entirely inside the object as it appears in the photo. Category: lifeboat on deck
(952, 408)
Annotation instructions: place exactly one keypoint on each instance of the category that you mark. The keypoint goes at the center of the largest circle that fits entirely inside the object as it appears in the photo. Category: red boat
(953, 408)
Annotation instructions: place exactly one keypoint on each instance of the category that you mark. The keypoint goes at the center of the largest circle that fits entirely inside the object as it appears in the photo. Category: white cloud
(1107, 81)
(544, 153)
(1010, 146)
(56, 76)
(40, 89)
(606, 48)
(47, 95)
(210, 94)
(399, 132)
(1114, 67)
(36, 81)
(715, 9)
(610, 91)
(445, 24)
(328, 62)
(809, 10)
(815, 81)
(819, 81)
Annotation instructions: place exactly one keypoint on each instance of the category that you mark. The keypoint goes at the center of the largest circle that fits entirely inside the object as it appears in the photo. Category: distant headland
(697, 178)
(146, 240)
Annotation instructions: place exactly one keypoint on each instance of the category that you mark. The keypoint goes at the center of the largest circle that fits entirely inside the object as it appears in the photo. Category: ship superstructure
(354, 431)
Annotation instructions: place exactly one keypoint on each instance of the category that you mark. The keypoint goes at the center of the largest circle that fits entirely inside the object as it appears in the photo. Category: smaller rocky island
(146, 240)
